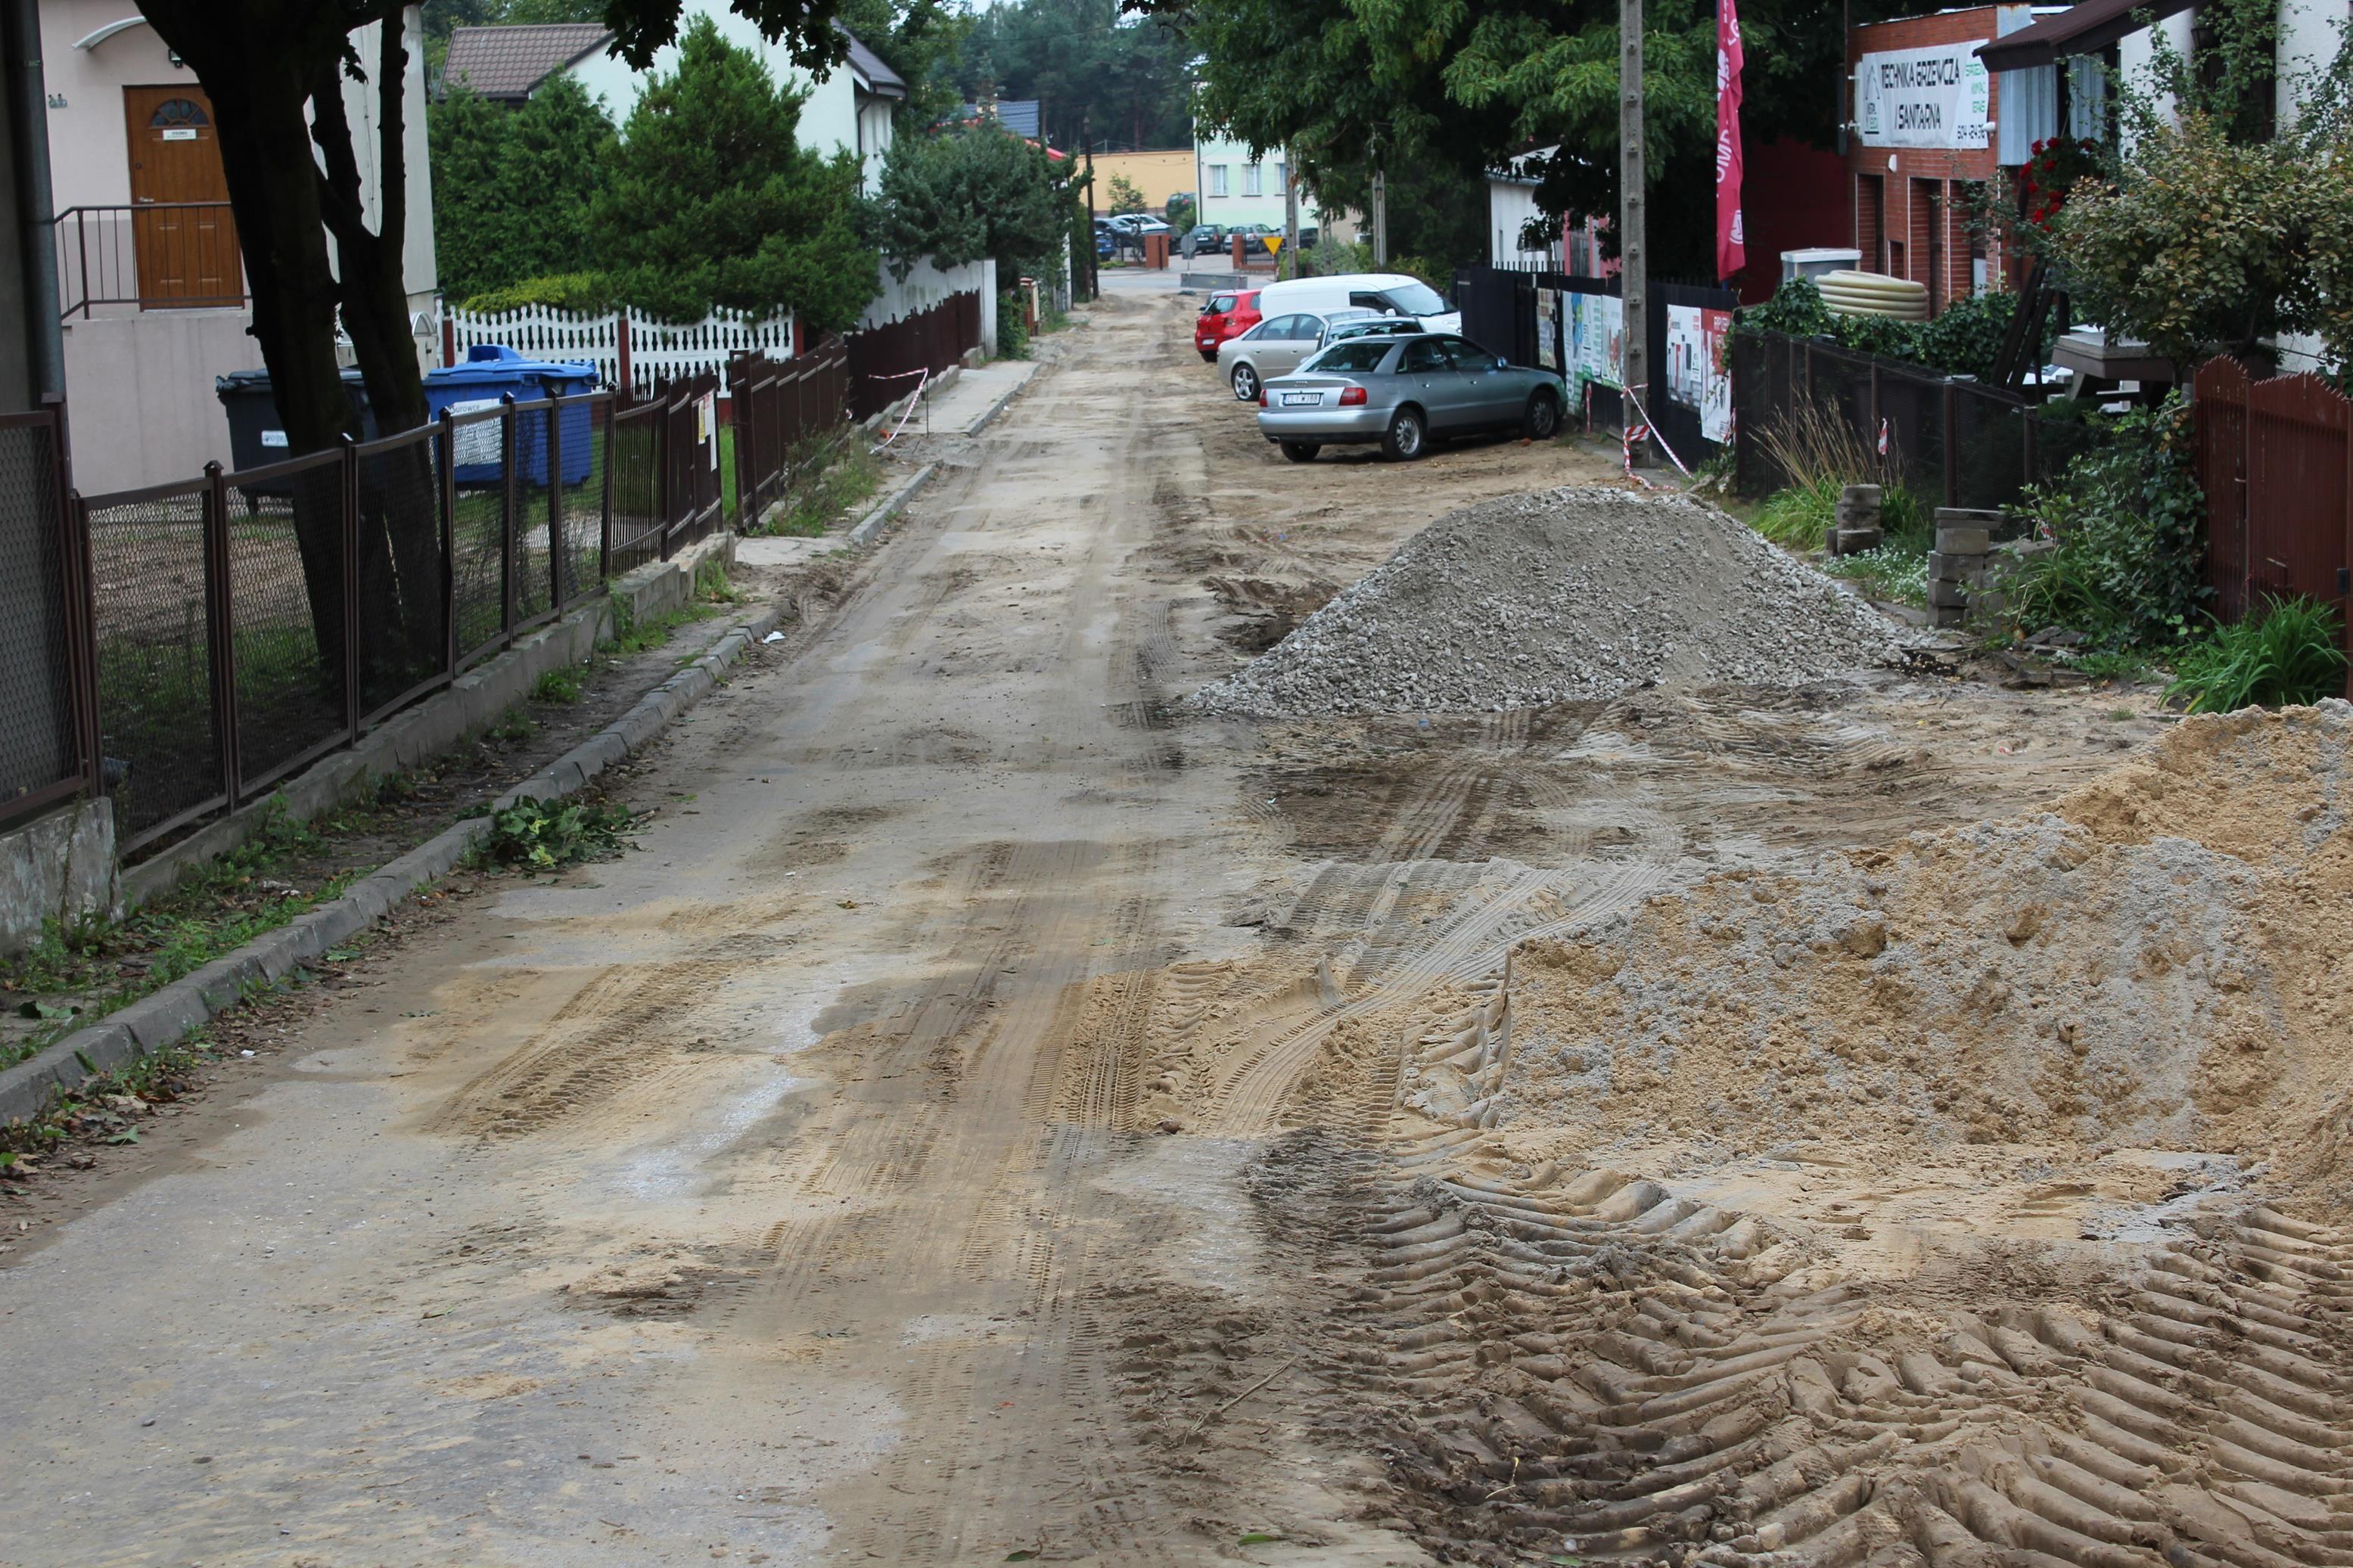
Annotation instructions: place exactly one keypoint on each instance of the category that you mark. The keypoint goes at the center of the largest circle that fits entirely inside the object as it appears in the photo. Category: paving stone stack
(1855, 525)
(1961, 581)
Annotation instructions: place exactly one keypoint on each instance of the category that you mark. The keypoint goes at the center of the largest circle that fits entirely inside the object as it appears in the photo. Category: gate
(2220, 389)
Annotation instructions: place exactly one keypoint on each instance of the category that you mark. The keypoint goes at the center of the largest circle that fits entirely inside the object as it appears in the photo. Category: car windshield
(1358, 356)
(1417, 299)
(1219, 305)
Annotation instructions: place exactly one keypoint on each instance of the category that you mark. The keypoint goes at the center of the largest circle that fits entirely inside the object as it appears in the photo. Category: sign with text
(1934, 96)
(1697, 376)
(1597, 355)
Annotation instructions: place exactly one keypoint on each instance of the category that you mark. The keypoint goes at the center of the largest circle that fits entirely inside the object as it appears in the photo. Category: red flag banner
(1731, 246)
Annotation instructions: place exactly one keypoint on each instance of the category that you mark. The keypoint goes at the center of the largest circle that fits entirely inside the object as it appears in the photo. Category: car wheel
(1406, 437)
(1245, 382)
(1542, 422)
(1301, 451)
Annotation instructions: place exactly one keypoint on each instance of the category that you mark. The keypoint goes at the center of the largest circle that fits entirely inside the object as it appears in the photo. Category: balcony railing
(155, 255)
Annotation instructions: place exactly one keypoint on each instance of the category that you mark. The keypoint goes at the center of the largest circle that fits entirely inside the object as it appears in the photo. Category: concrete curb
(882, 511)
(989, 415)
(154, 1022)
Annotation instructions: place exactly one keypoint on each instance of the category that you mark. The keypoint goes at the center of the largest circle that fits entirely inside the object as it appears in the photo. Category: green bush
(1795, 309)
(1962, 341)
(561, 684)
(541, 834)
(591, 292)
(1012, 330)
(2127, 524)
(2293, 654)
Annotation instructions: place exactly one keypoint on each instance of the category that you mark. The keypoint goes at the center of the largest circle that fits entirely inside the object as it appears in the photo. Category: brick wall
(1926, 209)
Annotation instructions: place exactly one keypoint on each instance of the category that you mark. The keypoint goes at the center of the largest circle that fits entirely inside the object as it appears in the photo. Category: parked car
(1401, 392)
(1253, 235)
(1367, 323)
(1203, 238)
(1275, 346)
(1138, 224)
(1391, 291)
(1226, 314)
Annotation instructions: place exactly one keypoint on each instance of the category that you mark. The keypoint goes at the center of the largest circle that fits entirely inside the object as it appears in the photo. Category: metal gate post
(1952, 400)
(349, 489)
(444, 459)
(507, 506)
(605, 500)
(558, 560)
(221, 628)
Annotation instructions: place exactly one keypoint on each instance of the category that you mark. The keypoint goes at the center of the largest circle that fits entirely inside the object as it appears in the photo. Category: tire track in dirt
(1577, 1360)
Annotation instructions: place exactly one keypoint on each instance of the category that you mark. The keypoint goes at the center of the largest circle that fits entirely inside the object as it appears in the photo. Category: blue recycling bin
(492, 372)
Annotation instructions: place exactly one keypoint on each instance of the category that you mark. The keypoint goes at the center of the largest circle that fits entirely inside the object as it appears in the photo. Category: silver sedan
(1276, 345)
(1401, 393)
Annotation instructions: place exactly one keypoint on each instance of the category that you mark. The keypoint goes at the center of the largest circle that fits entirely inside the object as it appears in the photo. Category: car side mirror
(1502, 364)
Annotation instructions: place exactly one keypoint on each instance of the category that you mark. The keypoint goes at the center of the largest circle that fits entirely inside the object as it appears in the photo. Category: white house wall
(139, 389)
(1233, 207)
(829, 122)
(1510, 206)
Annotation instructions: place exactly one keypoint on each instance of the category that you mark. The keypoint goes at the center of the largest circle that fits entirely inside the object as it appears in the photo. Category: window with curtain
(1253, 179)
(1217, 180)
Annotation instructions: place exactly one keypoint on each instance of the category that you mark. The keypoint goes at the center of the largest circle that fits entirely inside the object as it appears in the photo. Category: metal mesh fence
(151, 581)
(404, 635)
(1912, 416)
(285, 560)
(634, 452)
(477, 533)
(534, 543)
(587, 433)
(38, 615)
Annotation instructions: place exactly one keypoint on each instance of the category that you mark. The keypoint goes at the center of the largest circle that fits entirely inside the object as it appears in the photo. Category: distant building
(1235, 185)
(848, 111)
(506, 65)
(1156, 176)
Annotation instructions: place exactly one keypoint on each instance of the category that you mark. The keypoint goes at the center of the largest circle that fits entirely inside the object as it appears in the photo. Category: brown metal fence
(1952, 442)
(780, 406)
(2277, 464)
(244, 624)
(885, 362)
(48, 723)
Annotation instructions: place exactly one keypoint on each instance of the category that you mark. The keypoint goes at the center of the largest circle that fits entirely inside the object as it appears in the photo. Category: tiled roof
(506, 63)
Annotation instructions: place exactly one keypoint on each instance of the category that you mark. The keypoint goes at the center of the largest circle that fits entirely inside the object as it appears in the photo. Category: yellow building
(1158, 176)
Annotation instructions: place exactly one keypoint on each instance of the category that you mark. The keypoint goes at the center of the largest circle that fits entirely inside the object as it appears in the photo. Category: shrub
(561, 684)
(589, 292)
(2126, 525)
(1795, 309)
(1012, 330)
(541, 834)
(2293, 654)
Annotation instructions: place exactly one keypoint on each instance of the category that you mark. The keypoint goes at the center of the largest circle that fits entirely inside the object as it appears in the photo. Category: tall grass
(2293, 653)
(1821, 454)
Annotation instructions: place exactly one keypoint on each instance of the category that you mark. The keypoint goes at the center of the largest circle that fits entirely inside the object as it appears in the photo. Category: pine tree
(713, 202)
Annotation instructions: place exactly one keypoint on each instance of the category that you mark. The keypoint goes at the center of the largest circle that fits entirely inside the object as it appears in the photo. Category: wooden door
(186, 255)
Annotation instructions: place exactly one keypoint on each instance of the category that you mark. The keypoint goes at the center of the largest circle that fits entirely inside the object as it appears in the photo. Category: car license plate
(1294, 399)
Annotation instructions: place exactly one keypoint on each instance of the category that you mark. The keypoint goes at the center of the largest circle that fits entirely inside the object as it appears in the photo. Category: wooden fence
(2275, 460)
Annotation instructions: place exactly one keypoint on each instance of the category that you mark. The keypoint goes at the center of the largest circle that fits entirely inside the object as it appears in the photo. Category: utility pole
(1291, 210)
(1633, 260)
(1094, 262)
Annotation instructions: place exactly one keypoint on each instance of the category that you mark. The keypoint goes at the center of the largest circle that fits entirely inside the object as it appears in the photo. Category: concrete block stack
(1960, 580)
(1855, 525)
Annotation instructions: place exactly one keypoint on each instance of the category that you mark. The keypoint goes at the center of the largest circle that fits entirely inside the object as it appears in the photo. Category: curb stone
(889, 506)
(188, 1003)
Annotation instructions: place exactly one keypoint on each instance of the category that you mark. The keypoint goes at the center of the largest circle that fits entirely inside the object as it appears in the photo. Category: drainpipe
(28, 109)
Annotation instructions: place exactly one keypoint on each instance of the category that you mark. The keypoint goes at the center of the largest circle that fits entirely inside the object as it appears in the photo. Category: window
(1421, 358)
(1281, 180)
(1466, 355)
(178, 111)
(1414, 300)
(1296, 327)
(1253, 176)
(1217, 180)
(1360, 357)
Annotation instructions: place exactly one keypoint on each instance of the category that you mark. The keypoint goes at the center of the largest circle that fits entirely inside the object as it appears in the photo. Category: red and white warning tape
(914, 401)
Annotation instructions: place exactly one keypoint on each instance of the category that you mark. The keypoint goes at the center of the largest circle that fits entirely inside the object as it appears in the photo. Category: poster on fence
(1686, 362)
(1716, 396)
(706, 425)
(1600, 353)
(1548, 329)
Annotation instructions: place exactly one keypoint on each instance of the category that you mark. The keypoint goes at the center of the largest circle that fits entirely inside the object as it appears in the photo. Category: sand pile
(2165, 960)
(1554, 596)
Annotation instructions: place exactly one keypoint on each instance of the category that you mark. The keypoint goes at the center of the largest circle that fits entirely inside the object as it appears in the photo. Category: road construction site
(1159, 1034)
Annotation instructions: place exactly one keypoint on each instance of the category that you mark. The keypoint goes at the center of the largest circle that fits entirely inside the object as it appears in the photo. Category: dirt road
(969, 1125)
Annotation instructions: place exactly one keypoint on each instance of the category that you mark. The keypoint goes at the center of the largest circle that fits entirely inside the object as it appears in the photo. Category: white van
(1390, 291)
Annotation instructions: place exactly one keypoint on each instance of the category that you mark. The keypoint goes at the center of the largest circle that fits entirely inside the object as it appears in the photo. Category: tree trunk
(254, 60)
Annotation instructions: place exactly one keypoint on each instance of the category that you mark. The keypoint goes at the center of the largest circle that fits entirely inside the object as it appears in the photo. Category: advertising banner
(1599, 350)
(1933, 96)
(1548, 329)
(1698, 374)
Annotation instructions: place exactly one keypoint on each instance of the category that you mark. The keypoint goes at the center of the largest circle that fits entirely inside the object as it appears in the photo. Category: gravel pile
(1560, 596)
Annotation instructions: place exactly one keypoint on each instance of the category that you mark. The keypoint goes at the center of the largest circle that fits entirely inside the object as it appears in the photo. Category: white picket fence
(658, 350)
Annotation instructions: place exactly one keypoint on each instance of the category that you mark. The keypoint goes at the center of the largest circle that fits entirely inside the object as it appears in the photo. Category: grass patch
(1822, 455)
(631, 635)
(831, 476)
(562, 684)
(539, 835)
(218, 907)
(711, 586)
(514, 728)
(1895, 573)
(2293, 653)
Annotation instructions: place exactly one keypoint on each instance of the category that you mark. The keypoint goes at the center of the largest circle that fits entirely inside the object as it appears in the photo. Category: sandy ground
(972, 1128)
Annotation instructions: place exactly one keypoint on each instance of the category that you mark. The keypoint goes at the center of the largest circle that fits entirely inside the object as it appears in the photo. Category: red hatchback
(1229, 314)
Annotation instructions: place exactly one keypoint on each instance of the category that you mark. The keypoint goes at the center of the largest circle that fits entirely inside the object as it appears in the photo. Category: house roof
(1018, 115)
(505, 64)
(872, 73)
(2080, 29)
